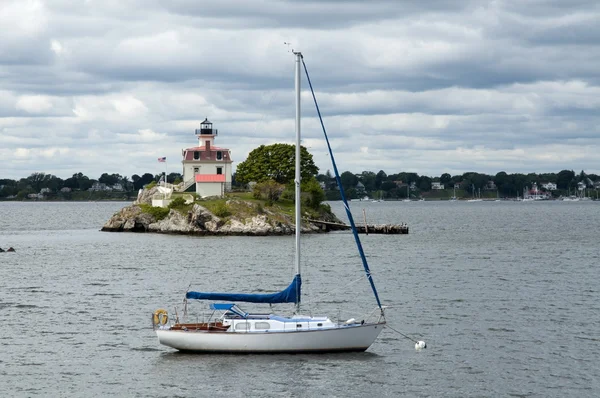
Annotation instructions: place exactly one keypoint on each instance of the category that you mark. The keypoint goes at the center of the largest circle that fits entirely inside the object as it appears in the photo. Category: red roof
(211, 155)
(210, 177)
(203, 148)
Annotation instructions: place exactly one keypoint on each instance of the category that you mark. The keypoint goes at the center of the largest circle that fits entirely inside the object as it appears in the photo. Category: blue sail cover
(291, 294)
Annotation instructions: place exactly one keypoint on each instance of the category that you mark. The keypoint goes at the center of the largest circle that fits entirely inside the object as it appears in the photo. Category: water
(505, 294)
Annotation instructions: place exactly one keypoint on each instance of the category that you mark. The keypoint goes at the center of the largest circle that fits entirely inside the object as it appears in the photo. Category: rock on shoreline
(200, 221)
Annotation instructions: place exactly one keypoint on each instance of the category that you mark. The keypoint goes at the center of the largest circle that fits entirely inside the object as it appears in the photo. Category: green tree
(504, 183)
(173, 177)
(445, 178)
(111, 179)
(424, 183)
(314, 193)
(8, 187)
(380, 178)
(519, 182)
(55, 183)
(38, 181)
(349, 180)
(564, 179)
(388, 186)
(78, 181)
(368, 179)
(275, 162)
(269, 190)
(139, 182)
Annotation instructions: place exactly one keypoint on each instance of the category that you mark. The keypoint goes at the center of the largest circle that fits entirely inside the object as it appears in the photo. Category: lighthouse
(207, 167)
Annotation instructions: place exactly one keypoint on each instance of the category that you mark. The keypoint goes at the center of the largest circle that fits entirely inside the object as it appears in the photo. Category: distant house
(490, 186)
(581, 185)
(597, 184)
(117, 187)
(100, 186)
(44, 191)
(549, 186)
(65, 189)
(360, 188)
(437, 185)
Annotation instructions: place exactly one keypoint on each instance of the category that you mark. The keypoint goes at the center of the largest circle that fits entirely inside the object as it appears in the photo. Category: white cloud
(57, 47)
(145, 135)
(102, 86)
(34, 103)
(22, 17)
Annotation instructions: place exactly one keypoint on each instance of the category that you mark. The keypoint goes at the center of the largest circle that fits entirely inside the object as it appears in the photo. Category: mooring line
(400, 333)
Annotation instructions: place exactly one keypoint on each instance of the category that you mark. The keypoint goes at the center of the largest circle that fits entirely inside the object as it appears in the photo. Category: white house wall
(206, 168)
(204, 189)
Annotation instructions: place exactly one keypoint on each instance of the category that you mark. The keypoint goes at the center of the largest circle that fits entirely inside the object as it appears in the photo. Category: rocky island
(232, 215)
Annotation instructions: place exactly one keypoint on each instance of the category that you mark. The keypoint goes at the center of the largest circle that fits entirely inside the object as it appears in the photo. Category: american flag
(163, 159)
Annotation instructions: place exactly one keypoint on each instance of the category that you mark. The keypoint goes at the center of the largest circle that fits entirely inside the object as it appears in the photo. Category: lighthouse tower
(206, 166)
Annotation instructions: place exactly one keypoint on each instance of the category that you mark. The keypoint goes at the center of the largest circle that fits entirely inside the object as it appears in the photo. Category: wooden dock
(388, 229)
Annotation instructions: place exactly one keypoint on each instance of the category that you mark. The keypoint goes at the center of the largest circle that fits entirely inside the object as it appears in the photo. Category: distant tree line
(378, 184)
(54, 186)
(395, 185)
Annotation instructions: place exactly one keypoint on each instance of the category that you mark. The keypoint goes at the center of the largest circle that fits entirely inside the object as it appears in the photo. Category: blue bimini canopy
(228, 307)
(291, 294)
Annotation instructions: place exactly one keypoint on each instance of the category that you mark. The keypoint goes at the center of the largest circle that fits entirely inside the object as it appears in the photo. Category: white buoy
(419, 345)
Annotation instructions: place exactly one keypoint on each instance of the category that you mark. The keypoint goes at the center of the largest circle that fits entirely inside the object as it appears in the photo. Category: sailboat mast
(297, 174)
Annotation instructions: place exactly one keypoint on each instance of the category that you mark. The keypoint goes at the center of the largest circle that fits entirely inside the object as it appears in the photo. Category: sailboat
(407, 194)
(475, 198)
(237, 331)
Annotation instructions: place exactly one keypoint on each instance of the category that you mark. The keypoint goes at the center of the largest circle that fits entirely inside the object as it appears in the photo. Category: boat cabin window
(196, 155)
(319, 324)
(242, 326)
(262, 325)
(298, 325)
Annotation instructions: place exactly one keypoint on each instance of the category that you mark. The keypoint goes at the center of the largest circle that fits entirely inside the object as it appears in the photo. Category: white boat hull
(346, 338)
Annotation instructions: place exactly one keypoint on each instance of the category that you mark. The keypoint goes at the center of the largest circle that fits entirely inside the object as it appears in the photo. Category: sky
(432, 87)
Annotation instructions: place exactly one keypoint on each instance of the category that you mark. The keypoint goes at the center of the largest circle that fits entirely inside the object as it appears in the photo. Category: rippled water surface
(506, 295)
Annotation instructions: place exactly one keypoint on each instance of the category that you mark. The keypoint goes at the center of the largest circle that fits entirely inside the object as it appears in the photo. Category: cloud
(108, 86)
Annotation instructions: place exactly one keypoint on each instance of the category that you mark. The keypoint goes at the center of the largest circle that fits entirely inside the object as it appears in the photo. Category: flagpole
(165, 179)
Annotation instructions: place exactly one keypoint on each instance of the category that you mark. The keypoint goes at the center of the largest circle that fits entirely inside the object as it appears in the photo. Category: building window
(219, 170)
(196, 155)
(262, 326)
(219, 155)
(196, 170)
